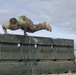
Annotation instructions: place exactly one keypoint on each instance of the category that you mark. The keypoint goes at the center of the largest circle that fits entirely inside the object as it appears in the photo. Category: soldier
(22, 22)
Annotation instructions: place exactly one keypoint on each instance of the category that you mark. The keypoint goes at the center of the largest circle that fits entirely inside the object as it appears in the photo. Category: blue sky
(60, 14)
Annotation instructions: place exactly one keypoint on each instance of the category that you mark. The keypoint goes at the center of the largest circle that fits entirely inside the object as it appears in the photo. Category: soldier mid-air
(22, 22)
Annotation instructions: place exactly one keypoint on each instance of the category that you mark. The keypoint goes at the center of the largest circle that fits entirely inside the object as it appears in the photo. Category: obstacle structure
(36, 55)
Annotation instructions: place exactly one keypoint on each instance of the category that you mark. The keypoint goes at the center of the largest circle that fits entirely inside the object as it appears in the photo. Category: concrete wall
(36, 56)
(75, 55)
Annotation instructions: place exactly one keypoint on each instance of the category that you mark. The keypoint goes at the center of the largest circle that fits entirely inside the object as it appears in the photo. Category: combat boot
(46, 26)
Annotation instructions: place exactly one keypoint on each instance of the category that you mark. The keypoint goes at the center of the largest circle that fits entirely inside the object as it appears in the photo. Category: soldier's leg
(40, 26)
(31, 27)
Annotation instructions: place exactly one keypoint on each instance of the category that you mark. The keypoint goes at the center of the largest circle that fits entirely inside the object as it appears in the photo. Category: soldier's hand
(26, 35)
(6, 33)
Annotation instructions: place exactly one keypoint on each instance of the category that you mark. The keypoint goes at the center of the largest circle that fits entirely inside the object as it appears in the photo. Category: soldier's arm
(25, 29)
(4, 29)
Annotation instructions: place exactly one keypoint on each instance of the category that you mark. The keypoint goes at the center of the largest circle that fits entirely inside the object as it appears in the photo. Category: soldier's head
(13, 23)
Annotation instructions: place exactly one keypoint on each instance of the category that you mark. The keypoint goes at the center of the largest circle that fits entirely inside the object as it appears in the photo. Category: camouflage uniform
(31, 27)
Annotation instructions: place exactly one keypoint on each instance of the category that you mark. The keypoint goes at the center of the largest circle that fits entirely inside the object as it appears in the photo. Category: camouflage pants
(31, 27)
